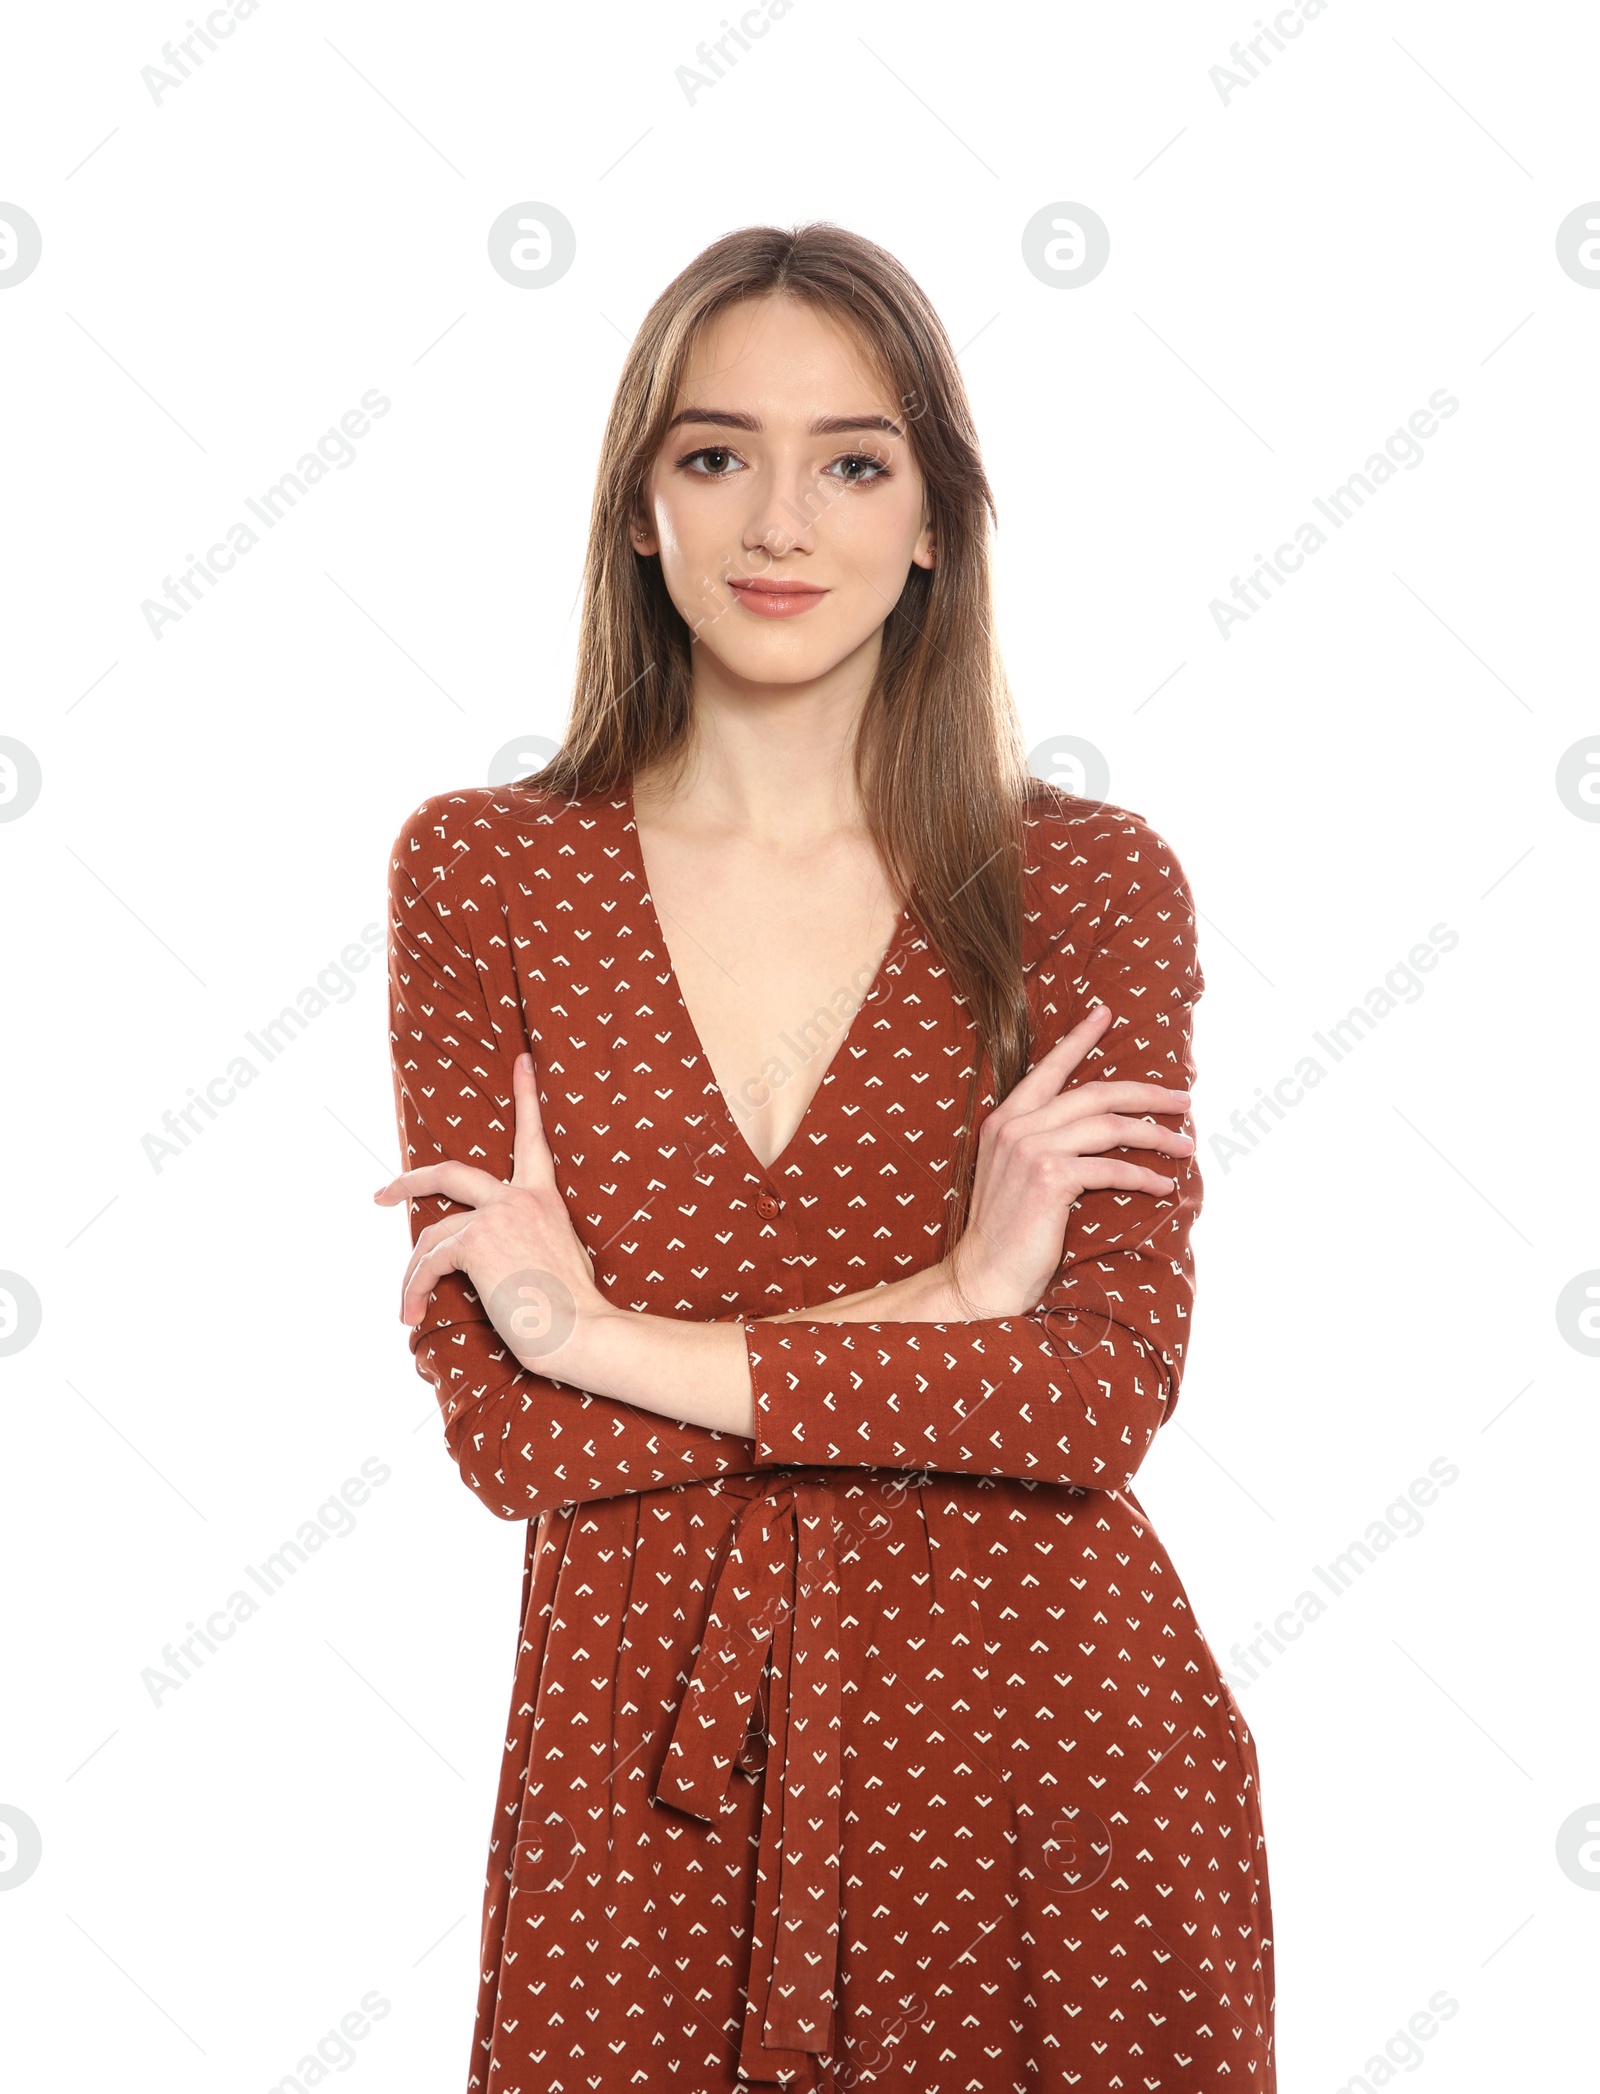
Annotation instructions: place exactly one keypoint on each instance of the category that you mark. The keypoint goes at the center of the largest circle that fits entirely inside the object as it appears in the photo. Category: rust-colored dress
(884, 1746)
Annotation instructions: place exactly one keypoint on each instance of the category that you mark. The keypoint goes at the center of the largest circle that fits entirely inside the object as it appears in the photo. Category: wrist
(933, 1295)
(682, 1370)
(597, 1354)
(975, 1289)
(924, 1296)
(544, 1315)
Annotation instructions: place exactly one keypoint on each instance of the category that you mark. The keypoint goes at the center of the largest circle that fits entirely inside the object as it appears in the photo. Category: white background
(1292, 273)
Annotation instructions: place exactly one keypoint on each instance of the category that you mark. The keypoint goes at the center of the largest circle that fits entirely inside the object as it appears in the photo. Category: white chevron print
(883, 1747)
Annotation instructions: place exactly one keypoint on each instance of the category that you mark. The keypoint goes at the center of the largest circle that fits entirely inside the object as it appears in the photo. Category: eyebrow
(824, 425)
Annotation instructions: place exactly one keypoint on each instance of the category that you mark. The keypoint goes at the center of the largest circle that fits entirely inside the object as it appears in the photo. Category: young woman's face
(785, 503)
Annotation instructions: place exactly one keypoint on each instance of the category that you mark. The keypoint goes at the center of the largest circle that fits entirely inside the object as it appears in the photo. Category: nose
(772, 538)
(784, 510)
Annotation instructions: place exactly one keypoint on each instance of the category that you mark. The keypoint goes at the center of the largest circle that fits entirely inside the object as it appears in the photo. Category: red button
(767, 1206)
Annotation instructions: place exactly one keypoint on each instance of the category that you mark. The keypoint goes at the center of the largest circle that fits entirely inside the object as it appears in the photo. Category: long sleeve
(1074, 1391)
(523, 1441)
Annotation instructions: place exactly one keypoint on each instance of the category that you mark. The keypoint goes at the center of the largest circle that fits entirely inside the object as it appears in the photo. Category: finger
(439, 1236)
(437, 1232)
(1099, 1096)
(424, 1273)
(455, 1181)
(1086, 1134)
(532, 1164)
(1051, 1070)
(1105, 1173)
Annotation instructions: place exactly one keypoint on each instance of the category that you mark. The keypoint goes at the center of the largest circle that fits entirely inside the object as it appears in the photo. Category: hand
(1038, 1151)
(517, 1245)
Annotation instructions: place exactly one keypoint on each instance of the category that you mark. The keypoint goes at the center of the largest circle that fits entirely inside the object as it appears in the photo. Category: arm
(1074, 1391)
(648, 1400)
(522, 1440)
(700, 1372)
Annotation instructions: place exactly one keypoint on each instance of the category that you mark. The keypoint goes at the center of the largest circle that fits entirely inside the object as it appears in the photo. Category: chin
(791, 650)
(779, 664)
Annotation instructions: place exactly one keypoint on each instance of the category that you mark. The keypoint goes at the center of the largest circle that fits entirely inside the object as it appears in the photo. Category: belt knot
(775, 1591)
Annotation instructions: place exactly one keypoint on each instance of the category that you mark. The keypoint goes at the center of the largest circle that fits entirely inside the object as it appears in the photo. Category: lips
(773, 598)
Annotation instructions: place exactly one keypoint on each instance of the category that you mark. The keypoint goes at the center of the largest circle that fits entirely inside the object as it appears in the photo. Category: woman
(781, 1076)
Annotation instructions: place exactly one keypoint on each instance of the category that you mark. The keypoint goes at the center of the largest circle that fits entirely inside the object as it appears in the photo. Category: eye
(719, 453)
(876, 469)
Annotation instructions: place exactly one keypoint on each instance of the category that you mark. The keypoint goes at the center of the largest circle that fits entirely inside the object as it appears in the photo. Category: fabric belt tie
(777, 1590)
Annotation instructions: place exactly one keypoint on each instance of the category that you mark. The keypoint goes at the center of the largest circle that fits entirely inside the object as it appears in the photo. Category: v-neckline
(691, 1031)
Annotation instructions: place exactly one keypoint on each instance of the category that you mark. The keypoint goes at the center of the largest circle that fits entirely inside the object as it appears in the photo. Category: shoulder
(492, 836)
(1092, 867)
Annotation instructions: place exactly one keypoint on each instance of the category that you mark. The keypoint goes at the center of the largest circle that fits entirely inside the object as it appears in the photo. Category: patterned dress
(883, 1747)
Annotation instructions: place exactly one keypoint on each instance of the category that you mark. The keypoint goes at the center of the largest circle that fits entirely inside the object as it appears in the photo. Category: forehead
(784, 352)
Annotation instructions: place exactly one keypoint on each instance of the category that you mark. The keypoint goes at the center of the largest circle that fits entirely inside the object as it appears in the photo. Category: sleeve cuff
(779, 1430)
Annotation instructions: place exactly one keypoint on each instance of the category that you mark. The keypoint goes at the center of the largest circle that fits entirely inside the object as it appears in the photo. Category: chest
(808, 1152)
(770, 968)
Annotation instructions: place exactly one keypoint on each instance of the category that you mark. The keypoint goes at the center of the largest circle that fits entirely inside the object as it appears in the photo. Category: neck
(766, 758)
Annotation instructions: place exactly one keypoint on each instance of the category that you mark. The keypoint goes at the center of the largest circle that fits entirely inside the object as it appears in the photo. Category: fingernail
(525, 1061)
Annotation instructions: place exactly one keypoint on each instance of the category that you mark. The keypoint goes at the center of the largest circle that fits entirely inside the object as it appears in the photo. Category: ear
(924, 554)
(642, 539)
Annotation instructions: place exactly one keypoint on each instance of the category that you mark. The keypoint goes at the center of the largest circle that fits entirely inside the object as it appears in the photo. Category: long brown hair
(938, 756)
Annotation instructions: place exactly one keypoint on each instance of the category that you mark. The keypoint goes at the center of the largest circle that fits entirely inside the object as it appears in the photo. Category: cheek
(699, 544)
(699, 535)
(875, 533)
